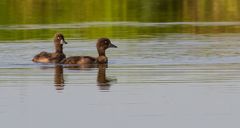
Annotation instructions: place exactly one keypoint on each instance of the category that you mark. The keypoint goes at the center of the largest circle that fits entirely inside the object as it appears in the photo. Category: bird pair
(59, 57)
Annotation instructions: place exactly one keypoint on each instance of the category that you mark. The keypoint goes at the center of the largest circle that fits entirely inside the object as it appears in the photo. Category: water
(187, 79)
(183, 73)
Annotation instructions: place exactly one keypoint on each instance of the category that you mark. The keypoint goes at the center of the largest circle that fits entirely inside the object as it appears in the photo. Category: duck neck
(101, 52)
(101, 59)
(58, 47)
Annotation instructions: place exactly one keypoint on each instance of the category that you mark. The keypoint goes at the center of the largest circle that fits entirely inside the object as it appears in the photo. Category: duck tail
(34, 60)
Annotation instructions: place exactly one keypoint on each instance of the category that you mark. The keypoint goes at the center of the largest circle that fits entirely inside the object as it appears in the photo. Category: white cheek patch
(61, 42)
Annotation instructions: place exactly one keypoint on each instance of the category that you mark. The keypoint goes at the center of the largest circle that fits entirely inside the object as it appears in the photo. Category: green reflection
(27, 12)
(69, 11)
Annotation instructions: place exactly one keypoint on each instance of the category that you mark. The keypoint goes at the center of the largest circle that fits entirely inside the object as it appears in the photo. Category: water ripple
(106, 24)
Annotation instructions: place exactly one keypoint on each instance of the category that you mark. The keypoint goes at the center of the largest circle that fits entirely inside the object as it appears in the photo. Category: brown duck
(102, 45)
(57, 56)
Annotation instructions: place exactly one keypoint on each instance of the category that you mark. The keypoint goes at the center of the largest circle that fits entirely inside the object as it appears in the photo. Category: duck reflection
(102, 81)
(58, 77)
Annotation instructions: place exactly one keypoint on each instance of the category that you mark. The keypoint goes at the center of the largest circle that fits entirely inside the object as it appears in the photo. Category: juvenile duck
(102, 45)
(57, 56)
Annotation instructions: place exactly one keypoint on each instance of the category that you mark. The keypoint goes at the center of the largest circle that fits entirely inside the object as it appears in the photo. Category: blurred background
(89, 19)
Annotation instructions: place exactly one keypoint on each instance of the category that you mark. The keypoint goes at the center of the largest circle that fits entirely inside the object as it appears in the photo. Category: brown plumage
(79, 60)
(102, 45)
(57, 56)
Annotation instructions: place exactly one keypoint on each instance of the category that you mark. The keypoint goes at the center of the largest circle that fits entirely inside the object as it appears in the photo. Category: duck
(102, 45)
(55, 57)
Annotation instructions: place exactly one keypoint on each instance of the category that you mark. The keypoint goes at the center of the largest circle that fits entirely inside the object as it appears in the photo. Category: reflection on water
(102, 81)
(59, 77)
(112, 30)
(171, 80)
(38, 11)
(101, 78)
(124, 19)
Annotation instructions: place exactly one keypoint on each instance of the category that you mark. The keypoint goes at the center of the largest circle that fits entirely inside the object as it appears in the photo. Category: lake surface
(183, 73)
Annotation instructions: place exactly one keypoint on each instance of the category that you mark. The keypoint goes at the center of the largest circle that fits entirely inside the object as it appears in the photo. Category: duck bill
(63, 42)
(112, 46)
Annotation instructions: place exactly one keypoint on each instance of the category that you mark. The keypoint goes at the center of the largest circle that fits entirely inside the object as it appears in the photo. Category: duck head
(59, 38)
(103, 44)
(59, 41)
